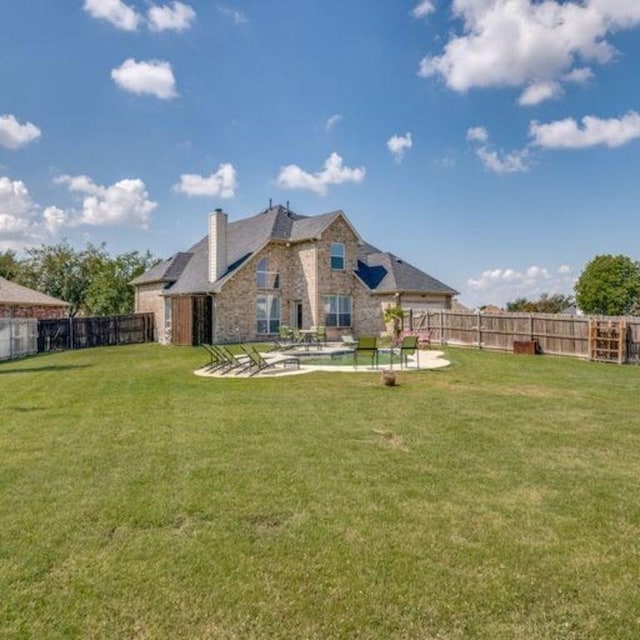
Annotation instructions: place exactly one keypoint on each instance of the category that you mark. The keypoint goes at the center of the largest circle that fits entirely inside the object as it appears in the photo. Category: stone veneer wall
(150, 300)
(32, 311)
(305, 276)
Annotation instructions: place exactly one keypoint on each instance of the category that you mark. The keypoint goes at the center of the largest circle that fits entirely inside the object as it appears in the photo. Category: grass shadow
(53, 367)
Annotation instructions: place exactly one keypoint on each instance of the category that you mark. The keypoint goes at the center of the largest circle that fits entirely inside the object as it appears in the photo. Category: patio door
(296, 314)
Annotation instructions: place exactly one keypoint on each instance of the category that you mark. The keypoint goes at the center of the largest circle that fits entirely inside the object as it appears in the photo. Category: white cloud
(539, 92)
(477, 134)
(521, 42)
(124, 203)
(222, 183)
(293, 177)
(500, 162)
(54, 219)
(116, 12)
(14, 135)
(177, 17)
(567, 134)
(423, 9)
(154, 77)
(236, 16)
(579, 75)
(333, 121)
(499, 286)
(19, 215)
(398, 145)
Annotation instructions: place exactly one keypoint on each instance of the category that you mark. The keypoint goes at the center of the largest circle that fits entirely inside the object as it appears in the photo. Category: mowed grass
(497, 498)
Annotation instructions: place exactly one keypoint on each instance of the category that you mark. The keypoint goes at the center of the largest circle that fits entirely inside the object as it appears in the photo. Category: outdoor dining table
(308, 337)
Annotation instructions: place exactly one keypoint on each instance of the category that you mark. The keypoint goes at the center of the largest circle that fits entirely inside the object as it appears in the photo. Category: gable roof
(383, 272)
(187, 272)
(15, 294)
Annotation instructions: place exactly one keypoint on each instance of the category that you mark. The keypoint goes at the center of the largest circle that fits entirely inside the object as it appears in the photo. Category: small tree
(394, 315)
(609, 285)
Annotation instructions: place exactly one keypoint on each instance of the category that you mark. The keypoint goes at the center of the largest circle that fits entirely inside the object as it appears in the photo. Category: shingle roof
(384, 272)
(187, 272)
(15, 294)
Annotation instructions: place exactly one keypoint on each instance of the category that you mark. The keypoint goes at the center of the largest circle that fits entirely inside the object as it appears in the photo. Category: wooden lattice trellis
(608, 340)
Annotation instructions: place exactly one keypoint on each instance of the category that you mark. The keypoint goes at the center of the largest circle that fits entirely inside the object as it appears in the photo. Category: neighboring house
(458, 307)
(248, 277)
(17, 301)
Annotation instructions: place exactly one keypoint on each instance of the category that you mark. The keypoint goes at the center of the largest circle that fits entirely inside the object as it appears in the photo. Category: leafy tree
(9, 265)
(61, 271)
(109, 292)
(547, 303)
(89, 279)
(609, 285)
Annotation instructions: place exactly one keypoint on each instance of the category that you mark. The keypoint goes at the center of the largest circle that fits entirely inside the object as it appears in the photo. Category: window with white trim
(268, 314)
(337, 256)
(337, 311)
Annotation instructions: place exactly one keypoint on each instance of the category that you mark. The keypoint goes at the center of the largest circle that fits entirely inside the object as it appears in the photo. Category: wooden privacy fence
(555, 334)
(80, 333)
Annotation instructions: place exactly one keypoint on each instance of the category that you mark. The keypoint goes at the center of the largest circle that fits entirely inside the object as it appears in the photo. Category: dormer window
(337, 256)
(267, 277)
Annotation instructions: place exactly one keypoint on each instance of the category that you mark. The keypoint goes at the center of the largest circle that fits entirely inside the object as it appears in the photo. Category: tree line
(608, 286)
(91, 280)
(96, 283)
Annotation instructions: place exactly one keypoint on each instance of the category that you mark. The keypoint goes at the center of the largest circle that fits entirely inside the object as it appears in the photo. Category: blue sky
(495, 144)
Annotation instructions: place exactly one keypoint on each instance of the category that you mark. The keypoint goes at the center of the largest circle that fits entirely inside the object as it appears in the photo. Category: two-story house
(247, 277)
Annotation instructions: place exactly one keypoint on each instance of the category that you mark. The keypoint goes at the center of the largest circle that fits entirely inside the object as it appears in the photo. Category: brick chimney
(217, 244)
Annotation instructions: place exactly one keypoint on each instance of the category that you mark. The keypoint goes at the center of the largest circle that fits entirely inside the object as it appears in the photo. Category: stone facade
(299, 274)
(305, 276)
(149, 299)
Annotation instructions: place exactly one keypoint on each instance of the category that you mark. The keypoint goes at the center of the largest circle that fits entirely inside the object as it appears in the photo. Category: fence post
(71, 345)
(11, 338)
(531, 327)
(479, 322)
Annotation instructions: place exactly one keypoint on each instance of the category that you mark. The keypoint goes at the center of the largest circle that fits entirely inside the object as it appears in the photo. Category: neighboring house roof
(187, 273)
(458, 307)
(15, 294)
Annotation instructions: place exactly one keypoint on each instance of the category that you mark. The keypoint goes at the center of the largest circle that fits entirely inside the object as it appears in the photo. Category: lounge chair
(408, 347)
(259, 363)
(349, 341)
(366, 346)
(230, 362)
(216, 361)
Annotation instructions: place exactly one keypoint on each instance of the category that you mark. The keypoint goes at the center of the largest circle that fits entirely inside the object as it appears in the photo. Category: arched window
(267, 277)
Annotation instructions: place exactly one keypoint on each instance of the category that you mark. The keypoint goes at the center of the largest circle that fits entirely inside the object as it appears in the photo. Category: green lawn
(497, 498)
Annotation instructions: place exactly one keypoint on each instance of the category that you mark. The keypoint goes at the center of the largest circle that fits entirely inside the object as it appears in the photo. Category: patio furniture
(349, 341)
(409, 347)
(259, 363)
(216, 361)
(366, 346)
(230, 362)
(321, 334)
(309, 337)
